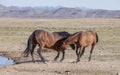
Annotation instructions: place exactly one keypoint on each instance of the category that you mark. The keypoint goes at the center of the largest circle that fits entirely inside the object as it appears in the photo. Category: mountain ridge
(55, 12)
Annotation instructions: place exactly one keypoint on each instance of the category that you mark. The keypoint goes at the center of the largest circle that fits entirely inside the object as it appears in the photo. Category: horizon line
(57, 6)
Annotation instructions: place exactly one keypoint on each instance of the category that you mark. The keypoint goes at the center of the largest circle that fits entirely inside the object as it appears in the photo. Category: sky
(94, 4)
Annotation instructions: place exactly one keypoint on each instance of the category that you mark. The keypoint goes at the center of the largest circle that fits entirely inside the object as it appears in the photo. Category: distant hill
(56, 12)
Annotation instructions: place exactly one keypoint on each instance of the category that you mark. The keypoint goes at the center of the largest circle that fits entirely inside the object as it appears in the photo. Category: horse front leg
(32, 56)
(32, 50)
(81, 51)
(78, 57)
(58, 53)
(77, 51)
(63, 56)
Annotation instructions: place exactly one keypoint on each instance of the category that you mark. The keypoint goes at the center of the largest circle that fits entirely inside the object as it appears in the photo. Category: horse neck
(72, 39)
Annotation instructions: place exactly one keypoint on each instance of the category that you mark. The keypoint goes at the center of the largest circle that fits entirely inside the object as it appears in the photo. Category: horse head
(72, 46)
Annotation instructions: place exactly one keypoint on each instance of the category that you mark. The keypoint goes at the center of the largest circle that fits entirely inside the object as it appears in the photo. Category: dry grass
(15, 32)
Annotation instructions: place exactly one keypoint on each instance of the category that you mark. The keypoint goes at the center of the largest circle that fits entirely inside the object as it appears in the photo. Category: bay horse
(81, 40)
(44, 39)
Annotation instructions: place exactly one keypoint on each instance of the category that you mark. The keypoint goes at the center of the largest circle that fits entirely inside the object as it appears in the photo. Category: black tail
(29, 48)
(96, 38)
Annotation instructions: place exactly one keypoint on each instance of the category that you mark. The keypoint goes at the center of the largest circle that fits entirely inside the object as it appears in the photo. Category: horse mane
(73, 35)
(67, 37)
(63, 33)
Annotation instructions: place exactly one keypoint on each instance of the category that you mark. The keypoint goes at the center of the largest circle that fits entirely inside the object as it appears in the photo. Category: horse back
(46, 39)
(87, 38)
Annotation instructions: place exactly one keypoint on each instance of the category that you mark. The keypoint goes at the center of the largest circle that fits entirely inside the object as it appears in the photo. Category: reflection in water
(5, 62)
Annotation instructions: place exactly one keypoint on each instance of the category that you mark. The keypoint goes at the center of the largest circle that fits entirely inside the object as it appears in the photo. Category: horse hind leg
(32, 50)
(91, 52)
(40, 55)
(33, 60)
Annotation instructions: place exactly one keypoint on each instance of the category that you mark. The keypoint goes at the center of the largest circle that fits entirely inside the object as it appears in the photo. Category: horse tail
(96, 37)
(29, 48)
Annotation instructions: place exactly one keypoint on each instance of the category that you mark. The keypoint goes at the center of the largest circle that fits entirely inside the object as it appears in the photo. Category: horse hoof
(88, 60)
(33, 61)
(61, 60)
(44, 61)
(77, 61)
(55, 59)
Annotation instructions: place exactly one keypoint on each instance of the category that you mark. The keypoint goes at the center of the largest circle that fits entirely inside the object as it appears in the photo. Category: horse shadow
(30, 61)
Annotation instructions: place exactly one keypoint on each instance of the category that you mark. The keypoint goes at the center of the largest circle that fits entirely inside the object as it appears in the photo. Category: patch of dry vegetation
(15, 32)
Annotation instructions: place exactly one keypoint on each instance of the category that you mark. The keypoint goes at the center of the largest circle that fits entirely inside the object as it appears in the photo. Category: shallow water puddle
(5, 62)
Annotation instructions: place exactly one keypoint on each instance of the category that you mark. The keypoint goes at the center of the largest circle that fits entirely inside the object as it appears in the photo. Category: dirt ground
(24, 66)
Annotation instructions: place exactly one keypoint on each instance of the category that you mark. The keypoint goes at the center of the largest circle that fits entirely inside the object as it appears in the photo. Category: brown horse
(81, 40)
(44, 39)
